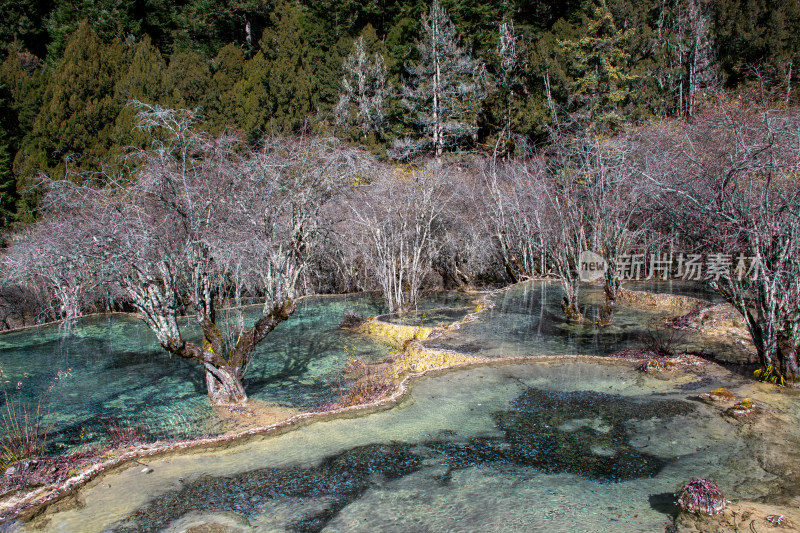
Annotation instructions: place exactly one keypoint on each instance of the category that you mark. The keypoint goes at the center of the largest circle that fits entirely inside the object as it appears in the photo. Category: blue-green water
(527, 320)
(118, 372)
(429, 318)
(564, 445)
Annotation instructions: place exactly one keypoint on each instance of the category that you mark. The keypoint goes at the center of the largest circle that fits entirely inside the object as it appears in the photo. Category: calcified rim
(12, 507)
(44, 496)
(47, 495)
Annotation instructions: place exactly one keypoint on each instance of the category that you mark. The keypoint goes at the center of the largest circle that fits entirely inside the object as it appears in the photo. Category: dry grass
(125, 433)
(662, 340)
(361, 382)
(23, 430)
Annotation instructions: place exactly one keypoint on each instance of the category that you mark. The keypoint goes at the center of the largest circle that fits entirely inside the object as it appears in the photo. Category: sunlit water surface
(566, 445)
(527, 320)
(560, 446)
(114, 370)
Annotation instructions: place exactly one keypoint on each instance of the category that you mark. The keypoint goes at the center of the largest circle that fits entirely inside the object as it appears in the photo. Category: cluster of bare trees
(197, 224)
(730, 180)
(585, 194)
(200, 222)
(399, 223)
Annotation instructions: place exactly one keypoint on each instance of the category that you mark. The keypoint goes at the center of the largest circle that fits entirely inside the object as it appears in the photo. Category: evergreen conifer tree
(249, 99)
(289, 74)
(75, 123)
(228, 70)
(598, 63)
(142, 81)
(364, 90)
(188, 82)
(7, 181)
(444, 91)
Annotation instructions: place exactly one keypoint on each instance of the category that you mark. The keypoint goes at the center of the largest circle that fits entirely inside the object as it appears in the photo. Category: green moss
(770, 374)
(723, 393)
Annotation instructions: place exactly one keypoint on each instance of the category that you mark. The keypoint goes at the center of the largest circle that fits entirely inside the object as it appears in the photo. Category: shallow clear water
(560, 446)
(439, 308)
(118, 372)
(678, 288)
(527, 320)
(429, 318)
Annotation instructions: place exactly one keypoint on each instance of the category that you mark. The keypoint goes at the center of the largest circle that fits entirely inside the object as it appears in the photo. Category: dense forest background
(70, 68)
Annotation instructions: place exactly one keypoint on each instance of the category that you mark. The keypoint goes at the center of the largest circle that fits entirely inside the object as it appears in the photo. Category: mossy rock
(719, 395)
(746, 403)
(397, 334)
(744, 408)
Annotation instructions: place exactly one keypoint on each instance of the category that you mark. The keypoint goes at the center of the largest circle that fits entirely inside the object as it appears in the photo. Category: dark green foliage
(758, 33)
(21, 25)
(144, 80)
(228, 69)
(477, 21)
(611, 62)
(249, 98)
(8, 187)
(205, 26)
(598, 65)
(144, 77)
(108, 19)
(289, 78)
(73, 128)
(8, 196)
(188, 81)
(22, 76)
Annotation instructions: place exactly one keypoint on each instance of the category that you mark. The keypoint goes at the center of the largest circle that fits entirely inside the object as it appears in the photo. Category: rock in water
(702, 497)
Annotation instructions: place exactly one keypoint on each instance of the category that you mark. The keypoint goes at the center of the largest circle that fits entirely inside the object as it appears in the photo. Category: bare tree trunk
(437, 127)
(569, 304)
(223, 385)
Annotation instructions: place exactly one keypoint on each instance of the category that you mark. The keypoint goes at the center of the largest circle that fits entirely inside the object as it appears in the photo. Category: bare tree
(582, 195)
(467, 257)
(565, 236)
(731, 178)
(539, 223)
(400, 221)
(444, 90)
(684, 29)
(43, 256)
(600, 174)
(515, 206)
(510, 57)
(364, 90)
(203, 220)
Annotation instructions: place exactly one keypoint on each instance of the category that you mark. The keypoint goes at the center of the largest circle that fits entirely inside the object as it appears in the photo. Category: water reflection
(527, 320)
(117, 370)
(119, 373)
